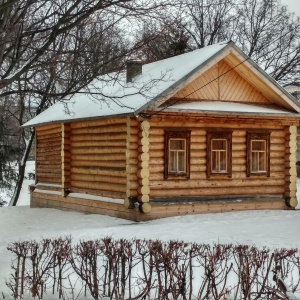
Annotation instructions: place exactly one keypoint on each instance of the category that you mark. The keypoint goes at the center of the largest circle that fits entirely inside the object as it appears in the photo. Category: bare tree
(51, 49)
(270, 35)
(163, 38)
(264, 29)
(209, 21)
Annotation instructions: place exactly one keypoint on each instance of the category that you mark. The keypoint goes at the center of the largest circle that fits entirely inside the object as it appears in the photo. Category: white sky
(293, 5)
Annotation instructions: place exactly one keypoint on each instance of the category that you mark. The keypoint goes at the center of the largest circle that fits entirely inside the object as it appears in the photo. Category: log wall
(48, 154)
(199, 184)
(98, 157)
(291, 172)
(123, 158)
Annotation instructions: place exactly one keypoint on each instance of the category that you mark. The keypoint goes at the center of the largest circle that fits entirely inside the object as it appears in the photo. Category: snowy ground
(275, 229)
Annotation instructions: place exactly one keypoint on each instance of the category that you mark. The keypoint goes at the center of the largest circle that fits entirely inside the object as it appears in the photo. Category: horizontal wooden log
(49, 174)
(48, 161)
(45, 171)
(98, 171)
(48, 144)
(66, 147)
(102, 164)
(51, 156)
(98, 178)
(131, 169)
(48, 131)
(101, 137)
(49, 137)
(98, 186)
(103, 143)
(209, 121)
(110, 194)
(191, 184)
(95, 157)
(49, 179)
(261, 190)
(47, 127)
(48, 164)
(98, 122)
(277, 140)
(99, 150)
(100, 130)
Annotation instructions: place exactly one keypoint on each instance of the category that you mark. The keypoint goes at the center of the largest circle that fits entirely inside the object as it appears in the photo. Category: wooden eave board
(246, 70)
(288, 118)
(222, 83)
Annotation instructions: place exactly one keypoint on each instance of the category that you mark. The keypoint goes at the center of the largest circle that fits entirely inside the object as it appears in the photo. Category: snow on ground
(274, 229)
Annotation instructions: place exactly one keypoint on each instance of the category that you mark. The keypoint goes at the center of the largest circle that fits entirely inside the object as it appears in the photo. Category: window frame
(224, 135)
(177, 134)
(258, 136)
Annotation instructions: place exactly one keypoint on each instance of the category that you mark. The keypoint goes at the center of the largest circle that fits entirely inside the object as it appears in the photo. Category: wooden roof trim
(292, 117)
(265, 78)
(184, 81)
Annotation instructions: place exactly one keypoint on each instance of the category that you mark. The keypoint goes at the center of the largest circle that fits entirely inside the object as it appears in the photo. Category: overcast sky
(294, 5)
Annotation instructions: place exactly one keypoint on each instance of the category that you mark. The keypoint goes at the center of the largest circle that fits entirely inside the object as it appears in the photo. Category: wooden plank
(101, 164)
(116, 136)
(99, 130)
(103, 143)
(47, 127)
(95, 157)
(98, 122)
(97, 192)
(98, 178)
(98, 171)
(217, 191)
(48, 132)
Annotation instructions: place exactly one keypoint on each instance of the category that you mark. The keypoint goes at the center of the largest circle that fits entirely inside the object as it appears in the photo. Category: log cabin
(202, 132)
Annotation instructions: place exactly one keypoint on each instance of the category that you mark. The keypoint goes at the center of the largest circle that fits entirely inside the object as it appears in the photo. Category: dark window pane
(172, 161)
(181, 161)
(258, 145)
(223, 161)
(218, 144)
(176, 144)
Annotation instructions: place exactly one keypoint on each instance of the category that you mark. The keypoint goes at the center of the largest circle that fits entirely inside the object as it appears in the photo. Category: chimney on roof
(133, 68)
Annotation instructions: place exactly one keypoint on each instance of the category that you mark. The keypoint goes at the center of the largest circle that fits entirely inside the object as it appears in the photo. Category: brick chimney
(133, 68)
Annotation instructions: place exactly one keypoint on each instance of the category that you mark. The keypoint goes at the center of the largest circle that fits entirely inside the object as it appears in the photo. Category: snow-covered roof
(111, 95)
(221, 106)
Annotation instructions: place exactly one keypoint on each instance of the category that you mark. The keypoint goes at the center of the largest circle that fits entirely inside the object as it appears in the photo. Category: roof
(111, 95)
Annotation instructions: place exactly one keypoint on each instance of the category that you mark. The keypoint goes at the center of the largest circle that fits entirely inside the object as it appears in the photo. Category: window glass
(177, 155)
(177, 144)
(258, 153)
(219, 153)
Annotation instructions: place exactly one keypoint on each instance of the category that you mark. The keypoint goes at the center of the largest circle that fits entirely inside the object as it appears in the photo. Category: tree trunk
(22, 166)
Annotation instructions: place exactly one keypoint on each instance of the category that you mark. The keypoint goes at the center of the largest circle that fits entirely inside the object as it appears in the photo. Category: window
(258, 153)
(177, 153)
(219, 153)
